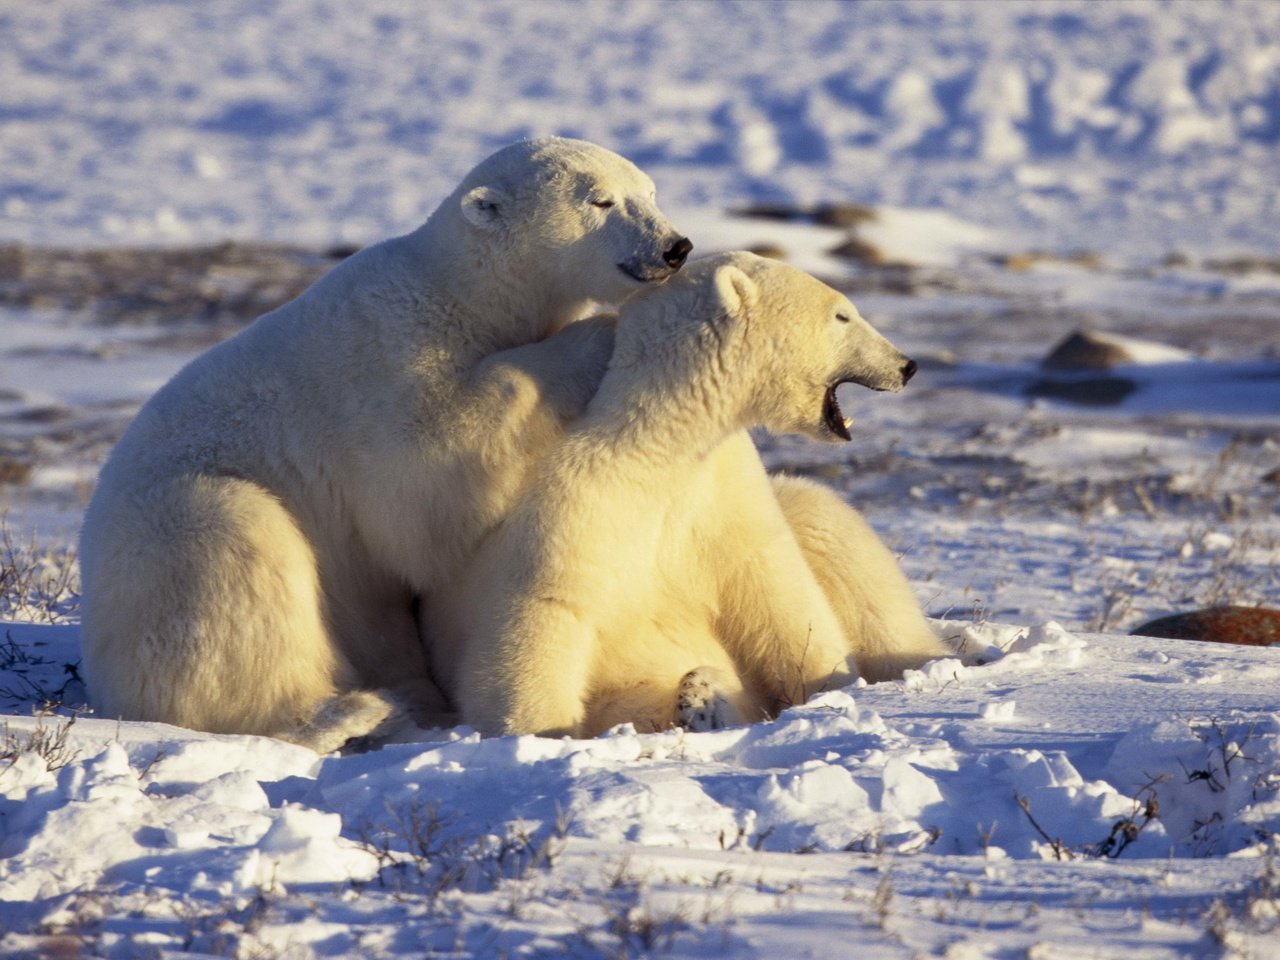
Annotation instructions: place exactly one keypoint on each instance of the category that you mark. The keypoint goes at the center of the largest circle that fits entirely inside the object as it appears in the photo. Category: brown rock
(1242, 265)
(1019, 262)
(771, 211)
(1086, 350)
(860, 251)
(13, 471)
(1253, 626)
(1089, 259)
(12, 259)
(843, 215)
(770, 250)
(1024, 261)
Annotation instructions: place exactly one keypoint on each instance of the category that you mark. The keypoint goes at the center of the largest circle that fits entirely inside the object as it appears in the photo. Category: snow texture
(937, 785)
(1132, 126)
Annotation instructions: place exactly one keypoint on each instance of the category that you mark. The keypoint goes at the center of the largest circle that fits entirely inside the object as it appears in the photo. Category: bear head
(571, 218)
(770, 342)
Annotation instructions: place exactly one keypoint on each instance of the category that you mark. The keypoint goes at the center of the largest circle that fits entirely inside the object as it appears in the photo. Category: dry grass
(49, 743)
(38, 583)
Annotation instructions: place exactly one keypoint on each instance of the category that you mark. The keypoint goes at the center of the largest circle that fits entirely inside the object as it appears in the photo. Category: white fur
(256, 540)
(653, 573)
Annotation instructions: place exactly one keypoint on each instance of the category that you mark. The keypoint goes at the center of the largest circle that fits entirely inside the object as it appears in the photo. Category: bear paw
(353, 722)
(701, 703)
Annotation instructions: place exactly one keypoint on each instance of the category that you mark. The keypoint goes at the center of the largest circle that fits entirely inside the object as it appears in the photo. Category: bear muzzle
(673, 258)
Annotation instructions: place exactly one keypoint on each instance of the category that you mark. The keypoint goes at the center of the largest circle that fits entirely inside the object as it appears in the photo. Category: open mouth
(833, 416)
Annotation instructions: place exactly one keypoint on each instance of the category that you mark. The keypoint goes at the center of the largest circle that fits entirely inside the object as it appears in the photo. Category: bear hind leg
(203, 609)
(356, 720)
(861, 578)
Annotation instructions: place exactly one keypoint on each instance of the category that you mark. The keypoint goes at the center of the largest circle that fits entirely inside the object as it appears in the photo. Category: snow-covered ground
(1079, 797)
(1082, 794)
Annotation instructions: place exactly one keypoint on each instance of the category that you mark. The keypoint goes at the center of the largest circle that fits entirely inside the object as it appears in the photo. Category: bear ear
(485, 207)
(736, 290)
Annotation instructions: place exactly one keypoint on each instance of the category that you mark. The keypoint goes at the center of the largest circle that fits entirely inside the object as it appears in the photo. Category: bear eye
(603, 204)
(843, 317)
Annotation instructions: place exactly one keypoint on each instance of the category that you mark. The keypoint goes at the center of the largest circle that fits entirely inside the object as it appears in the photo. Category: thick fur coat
(256, 540)
(652, 572)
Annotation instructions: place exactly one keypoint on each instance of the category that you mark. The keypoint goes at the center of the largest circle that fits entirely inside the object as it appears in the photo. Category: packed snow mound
(1072, 119)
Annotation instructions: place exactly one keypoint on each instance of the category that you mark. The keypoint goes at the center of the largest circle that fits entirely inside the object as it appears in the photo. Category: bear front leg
(562, 372)
(531, 676)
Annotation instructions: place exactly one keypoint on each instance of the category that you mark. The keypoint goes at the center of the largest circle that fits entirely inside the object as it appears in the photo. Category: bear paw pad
(700, 704)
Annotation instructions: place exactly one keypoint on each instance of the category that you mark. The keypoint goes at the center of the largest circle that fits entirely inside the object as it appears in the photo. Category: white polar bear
(256, 541)
(652, 572)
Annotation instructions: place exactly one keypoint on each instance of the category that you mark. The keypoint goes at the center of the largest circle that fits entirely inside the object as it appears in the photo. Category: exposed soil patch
(224, 282)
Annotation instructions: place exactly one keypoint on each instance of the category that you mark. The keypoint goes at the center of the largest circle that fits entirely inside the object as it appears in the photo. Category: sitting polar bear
(652, 572)
(256, 540)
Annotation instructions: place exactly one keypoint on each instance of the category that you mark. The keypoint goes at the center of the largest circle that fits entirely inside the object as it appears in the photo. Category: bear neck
(505, 309)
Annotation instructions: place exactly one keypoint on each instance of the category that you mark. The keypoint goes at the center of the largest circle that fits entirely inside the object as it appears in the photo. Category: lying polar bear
(652, 572)
(256, 540)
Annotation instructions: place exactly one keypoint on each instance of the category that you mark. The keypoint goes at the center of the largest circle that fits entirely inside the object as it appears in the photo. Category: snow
(1057, 789)
(937, 787)
(1068, 124)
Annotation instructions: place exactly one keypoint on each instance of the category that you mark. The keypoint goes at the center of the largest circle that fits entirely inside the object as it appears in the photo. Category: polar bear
(653, 572)
(253, 550)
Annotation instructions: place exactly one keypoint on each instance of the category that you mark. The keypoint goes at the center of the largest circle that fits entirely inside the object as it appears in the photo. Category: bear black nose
(908, 371)
(676, 253)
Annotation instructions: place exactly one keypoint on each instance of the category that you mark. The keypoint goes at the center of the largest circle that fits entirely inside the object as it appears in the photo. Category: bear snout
(908, 371)
(676, 254)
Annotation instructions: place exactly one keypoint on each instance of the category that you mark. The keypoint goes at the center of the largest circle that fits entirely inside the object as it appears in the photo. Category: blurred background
(1134, 126)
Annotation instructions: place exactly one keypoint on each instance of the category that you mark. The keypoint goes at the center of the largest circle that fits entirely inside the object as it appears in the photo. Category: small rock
(1252, 626)
(771, 211)
(13, 472)
(843, 215)
(1024, 261)
(12, 261)
(1089, 259)
(860, 251)
(770, 250)
(1018, 262)
(1243, 265)
(1086, 350)
(42, 415)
